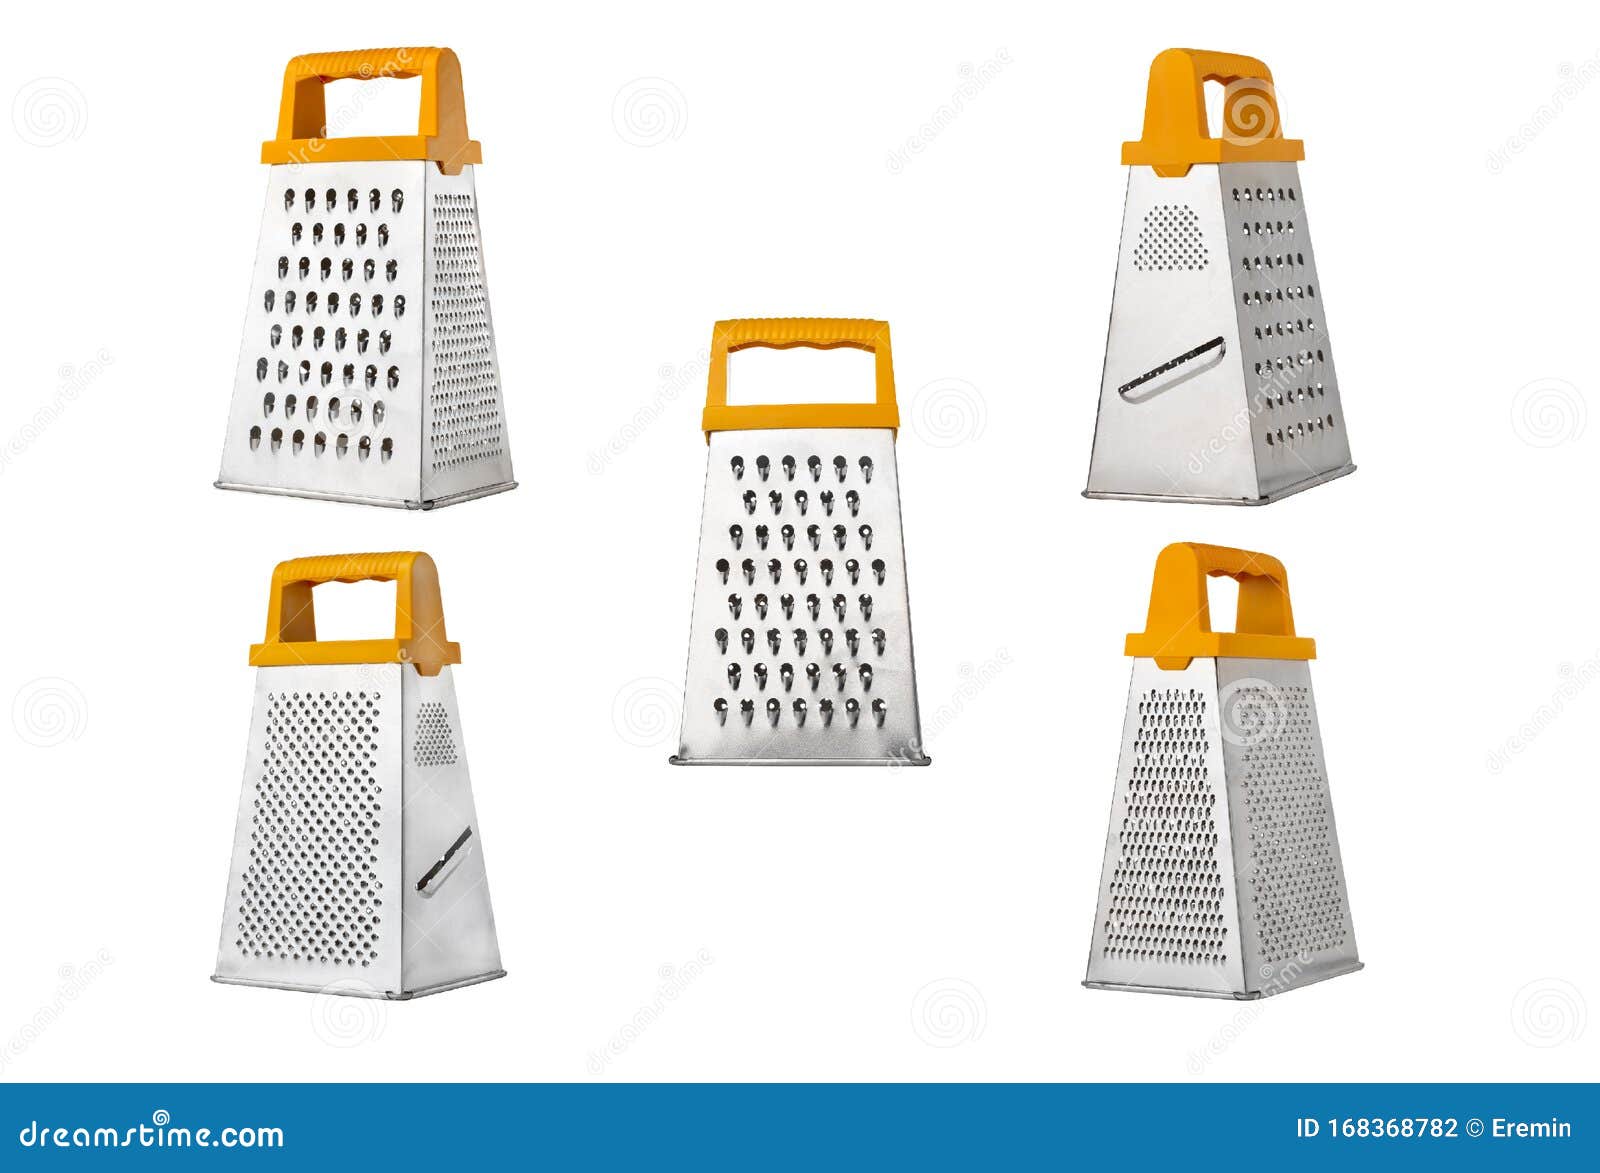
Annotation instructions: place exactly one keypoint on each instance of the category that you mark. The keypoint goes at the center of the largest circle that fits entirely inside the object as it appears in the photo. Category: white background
(1449, 583)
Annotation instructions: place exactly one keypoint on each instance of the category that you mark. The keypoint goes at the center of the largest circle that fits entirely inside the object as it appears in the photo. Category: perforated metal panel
(314, 888)
(465, 424)
(357, 862)
(1290, 874)
(368, 370)
(435, 740)
(1171, 238)
(800, 642)
(1297, 424)
(1167, 885)
(1219, 383)
(311, 891)
(1222, 873)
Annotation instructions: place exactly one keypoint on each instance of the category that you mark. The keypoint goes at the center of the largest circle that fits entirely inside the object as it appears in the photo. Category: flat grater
(368, 370)
(1222, 874)
(1219, 384)
(357, 856)
(800, 640)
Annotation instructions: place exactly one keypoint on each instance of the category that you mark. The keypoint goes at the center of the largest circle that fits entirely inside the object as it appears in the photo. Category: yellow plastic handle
(1179, 624)
(441, 123)
(419, 635)
(1176, 135)
(781, 334)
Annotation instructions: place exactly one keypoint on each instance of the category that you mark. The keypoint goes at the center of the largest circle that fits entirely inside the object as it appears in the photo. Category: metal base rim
(881, 762)
(356, 499)
(1279, 495)
(383, 995)
(1248, 996)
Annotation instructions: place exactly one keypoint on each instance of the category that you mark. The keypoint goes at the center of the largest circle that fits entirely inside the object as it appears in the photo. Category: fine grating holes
(465, 418)
(1171, 239)
(435, 743)
(310, 893)
(1295, 898)
(1166, 887)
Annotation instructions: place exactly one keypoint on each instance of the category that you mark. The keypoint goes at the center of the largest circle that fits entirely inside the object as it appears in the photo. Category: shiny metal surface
(1222, 874)
(355, 790)
(800, 639)
(368, 370)
(1219, 384)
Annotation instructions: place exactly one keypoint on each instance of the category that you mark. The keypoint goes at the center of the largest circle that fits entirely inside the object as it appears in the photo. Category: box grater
(357, 857)
(1222, 873)
(1219, 383)
(368, 370)
(800, 639)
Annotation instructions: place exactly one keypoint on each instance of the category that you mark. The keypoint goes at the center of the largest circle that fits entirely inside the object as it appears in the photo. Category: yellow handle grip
(1176, 135)
(419, 635)
(441, 122)
(1178, 627)
(782, 334)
